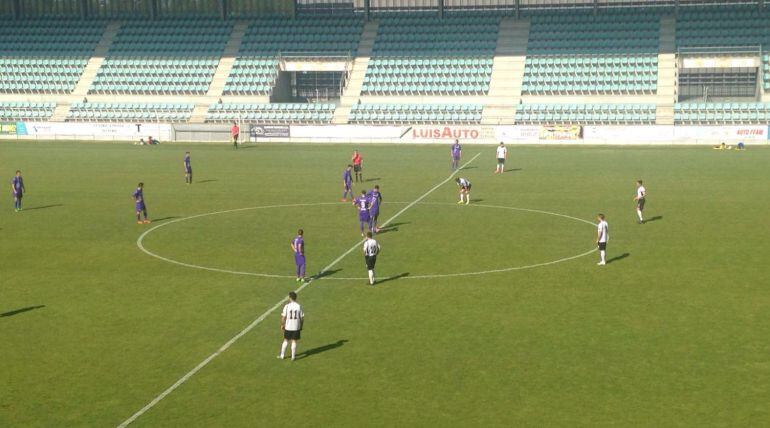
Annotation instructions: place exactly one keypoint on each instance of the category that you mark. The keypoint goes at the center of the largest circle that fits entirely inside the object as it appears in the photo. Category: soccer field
(491, 314)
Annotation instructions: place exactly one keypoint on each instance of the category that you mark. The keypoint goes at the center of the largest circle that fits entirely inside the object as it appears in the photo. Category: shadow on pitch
(512, 169)
(326, 273)
(371, 179)
(43, 207)
(165, 218)
(656, 218)
(206, 181)
(392, 278)
(320, 349)
(618, 258)
(467, 167)
(22, 310)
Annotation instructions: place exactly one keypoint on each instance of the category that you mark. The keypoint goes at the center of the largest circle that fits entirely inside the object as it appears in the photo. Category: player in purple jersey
(187, 168)
(298, 248)
(141, 208)
(347, 183)
(457, 153)
(375, 199)
(18, 189)
(362, 204)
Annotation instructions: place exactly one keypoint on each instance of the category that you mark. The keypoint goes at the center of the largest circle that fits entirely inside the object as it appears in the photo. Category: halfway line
(267, 313)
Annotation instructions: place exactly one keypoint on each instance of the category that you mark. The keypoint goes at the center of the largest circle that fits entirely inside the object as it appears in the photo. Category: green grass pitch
(672, 332)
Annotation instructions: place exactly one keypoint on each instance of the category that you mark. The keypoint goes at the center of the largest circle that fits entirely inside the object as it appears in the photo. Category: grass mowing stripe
(267, 313)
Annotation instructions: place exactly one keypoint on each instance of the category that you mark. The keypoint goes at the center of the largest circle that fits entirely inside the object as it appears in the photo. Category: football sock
(283, 347)
(639, 213)
(371, 277)
(293, 349)
(603, 255)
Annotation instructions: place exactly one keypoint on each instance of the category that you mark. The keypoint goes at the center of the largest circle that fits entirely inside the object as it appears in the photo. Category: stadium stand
(168, 57)
(578, 53)
(425, 55)
(45, 56)
(120, 112)
(735, 27)
(18, 110)
(271, 113)
(256, 68)
(574, 67)
(721, 113)
(586, 114)
(416, 113)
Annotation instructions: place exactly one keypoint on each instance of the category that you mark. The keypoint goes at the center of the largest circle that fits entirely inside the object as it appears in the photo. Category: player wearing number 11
(292, 319)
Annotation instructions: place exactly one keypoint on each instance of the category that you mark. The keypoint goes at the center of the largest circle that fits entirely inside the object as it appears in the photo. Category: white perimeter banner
(162, 132)
(737, 132)
(465, 133)
(517, 133)
(348, 132)
(631, 133)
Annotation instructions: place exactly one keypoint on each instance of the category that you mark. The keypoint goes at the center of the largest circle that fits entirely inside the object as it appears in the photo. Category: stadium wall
(416, 134)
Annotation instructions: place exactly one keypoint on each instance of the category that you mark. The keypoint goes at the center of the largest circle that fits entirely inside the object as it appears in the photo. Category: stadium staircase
(218, 82)
(667, 72)
(507, 72)
(64, 103)
(352, 90)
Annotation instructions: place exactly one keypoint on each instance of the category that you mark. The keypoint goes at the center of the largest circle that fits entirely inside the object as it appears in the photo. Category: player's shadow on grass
(320, 349)
(392, 278)
(326, 273)
(166, 218)
(656, 218)
(467, 167)
(22, 310)
(372, 179)
(44, 207)
(618, 258)
(207, 181)
(512, 169)
(392, 227)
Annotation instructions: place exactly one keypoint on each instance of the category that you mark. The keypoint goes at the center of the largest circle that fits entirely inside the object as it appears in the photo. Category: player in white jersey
(502, 155)
(602, 236)
(371, 249)
(641, 195)
(292, 319)
(465, 190)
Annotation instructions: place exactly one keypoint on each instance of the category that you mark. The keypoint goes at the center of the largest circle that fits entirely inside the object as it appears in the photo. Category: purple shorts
(374, 213)
(299, 259)
(363, 215)
(140, 206)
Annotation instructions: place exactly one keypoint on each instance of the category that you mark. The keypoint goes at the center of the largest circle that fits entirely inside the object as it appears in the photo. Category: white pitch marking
(139, 243)
(267, 313)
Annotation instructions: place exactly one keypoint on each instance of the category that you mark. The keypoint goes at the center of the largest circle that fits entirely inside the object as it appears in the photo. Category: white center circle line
(140, 244)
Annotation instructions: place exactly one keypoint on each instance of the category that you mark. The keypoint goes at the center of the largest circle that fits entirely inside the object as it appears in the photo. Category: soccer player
(347, 183)
(457, 153)
(371, 249)
(187, 168)
(18, 189)
(298, 248)
(375, 199)
(465, 190)
(234, 133)
(357, 165)
(292, 319)
(502, 155)
(362, 203)
(141, 208)
(641, 195)
(602, 236)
